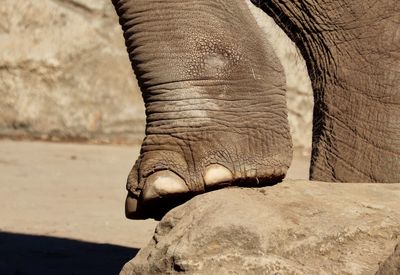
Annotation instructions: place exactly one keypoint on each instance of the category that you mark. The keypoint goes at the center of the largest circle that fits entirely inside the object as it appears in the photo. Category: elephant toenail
(216, 174)
(163, 183)
(130, 205)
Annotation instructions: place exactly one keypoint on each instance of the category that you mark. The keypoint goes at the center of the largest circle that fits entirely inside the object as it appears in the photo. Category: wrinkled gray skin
(215, 94)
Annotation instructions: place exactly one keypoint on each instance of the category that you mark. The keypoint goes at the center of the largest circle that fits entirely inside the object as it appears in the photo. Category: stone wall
(65, 75)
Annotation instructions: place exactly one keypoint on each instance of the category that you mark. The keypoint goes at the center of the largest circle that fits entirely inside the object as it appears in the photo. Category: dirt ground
(61, 208)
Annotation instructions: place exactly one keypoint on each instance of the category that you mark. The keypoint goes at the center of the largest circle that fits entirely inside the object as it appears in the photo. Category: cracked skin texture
(214, 93)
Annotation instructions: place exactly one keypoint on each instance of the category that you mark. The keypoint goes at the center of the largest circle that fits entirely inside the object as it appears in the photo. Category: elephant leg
(392, 264)
(352, 51)
(215, 101)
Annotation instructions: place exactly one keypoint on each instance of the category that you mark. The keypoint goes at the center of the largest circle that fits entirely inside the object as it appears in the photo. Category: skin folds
(214, 93)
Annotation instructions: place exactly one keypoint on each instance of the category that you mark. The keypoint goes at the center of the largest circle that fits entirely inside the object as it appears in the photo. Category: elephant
(214, 92)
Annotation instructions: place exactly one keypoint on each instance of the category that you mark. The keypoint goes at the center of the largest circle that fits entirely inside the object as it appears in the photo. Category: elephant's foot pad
(164, 190)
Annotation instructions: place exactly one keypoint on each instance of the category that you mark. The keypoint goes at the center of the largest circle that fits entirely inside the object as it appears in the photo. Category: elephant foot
(214, 92)
(173, 168)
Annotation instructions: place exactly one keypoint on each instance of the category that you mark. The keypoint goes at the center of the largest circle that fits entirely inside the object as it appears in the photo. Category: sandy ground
(61, 208)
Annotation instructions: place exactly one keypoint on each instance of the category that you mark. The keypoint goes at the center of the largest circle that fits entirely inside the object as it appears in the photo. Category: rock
(65, 75)
(295, 227)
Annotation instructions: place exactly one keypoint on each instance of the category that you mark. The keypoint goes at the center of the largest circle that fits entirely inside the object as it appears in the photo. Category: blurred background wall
(65, 75)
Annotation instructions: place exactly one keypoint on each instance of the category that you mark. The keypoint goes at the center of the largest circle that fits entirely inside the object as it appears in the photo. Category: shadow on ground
(28, 254)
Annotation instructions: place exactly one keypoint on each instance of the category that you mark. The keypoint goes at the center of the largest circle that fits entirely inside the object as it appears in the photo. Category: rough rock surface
(295, 227)
(65, 74)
